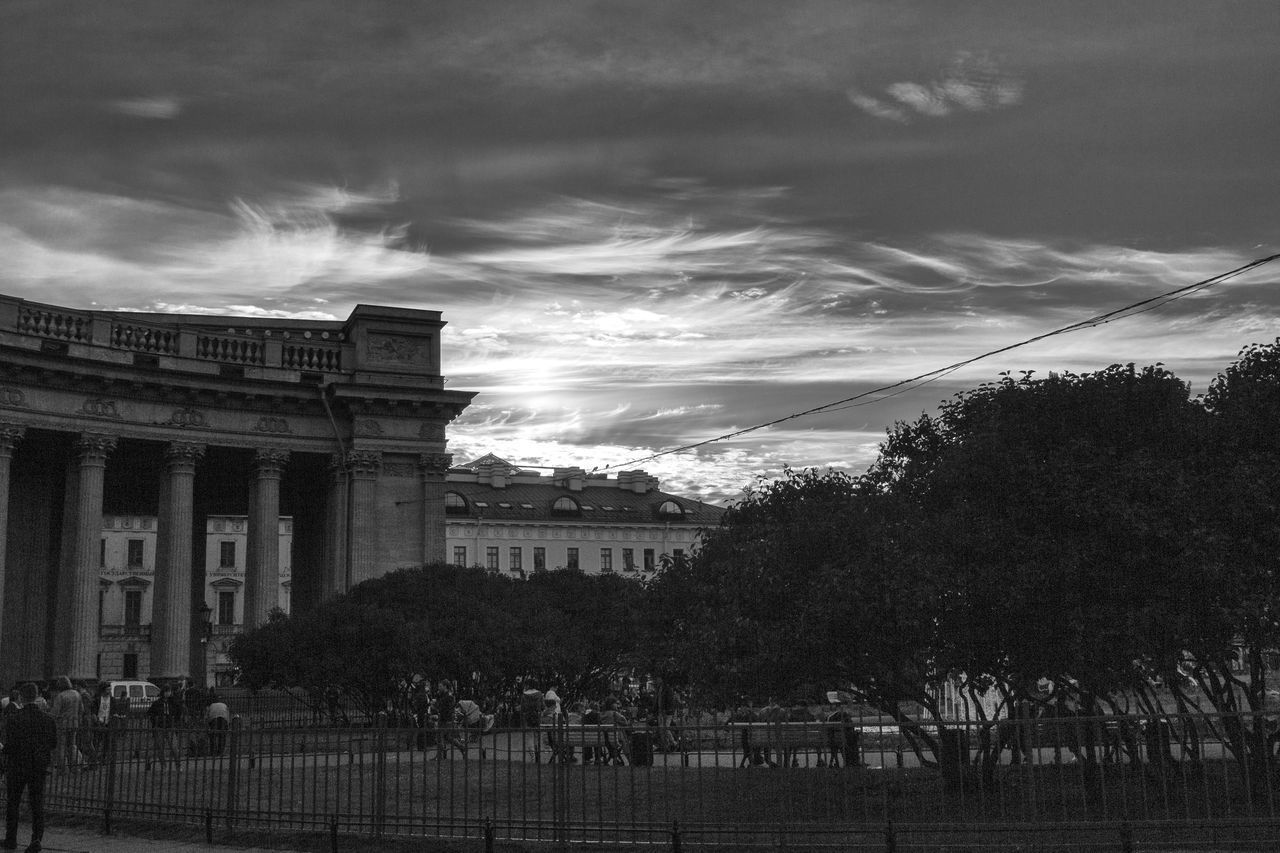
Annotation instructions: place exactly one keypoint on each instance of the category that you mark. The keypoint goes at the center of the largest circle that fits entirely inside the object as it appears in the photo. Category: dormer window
(454, 504)
(671, 509)
(565, 506)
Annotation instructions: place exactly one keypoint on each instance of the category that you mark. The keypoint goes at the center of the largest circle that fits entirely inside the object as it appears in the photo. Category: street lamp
(204, 615)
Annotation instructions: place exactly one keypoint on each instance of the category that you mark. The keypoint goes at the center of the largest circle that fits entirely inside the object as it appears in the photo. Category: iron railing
(1088, 783)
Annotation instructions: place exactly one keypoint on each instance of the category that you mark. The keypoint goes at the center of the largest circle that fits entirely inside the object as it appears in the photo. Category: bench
(788, 738)
(565, 738)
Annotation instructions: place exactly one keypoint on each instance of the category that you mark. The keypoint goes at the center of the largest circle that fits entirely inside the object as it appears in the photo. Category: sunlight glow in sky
(650, 223)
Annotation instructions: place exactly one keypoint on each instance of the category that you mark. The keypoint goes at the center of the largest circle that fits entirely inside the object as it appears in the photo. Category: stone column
(335, 580)
(10, 434)
(434, 467)
(82, 620)
(262, 566)
(363, 467)
(171, 596)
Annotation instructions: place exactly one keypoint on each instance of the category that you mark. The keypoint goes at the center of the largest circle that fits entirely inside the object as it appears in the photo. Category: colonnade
(348, 524)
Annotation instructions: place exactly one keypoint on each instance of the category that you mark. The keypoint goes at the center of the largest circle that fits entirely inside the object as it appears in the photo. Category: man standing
(67, 711)
(30, 738)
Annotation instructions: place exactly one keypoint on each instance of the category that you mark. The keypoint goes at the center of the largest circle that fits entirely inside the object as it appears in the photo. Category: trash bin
(641, 749)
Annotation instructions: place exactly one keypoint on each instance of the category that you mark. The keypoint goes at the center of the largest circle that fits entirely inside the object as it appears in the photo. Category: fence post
(111, 745)
(1126, 838)
(380, 774)
(488, 835)
(675, 836)
(890, 838)
(233, 768)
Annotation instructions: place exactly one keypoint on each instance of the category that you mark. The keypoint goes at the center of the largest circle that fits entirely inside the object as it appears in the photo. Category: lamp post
(205, 626)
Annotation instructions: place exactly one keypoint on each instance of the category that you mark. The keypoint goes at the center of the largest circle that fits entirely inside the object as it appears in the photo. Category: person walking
(30, 738)
(67, 710)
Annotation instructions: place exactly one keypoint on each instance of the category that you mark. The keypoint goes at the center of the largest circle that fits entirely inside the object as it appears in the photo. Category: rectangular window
(571, 561)
(649, 562)
(130, 666)
(132, 608)
(102, 552)
(628, 559)
(459, 555)
(517, 560)
(539, 559)
(677, 554)
(102, 599)
(227, 555)
(491, 558)
(226, 608)
(135, 553)
(606, 559)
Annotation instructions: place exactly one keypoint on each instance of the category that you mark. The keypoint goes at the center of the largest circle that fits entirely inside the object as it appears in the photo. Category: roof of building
(631, 498)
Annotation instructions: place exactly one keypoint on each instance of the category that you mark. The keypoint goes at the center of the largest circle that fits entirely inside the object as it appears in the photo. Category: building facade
(184, 418)
(126, 579)
(517, 521)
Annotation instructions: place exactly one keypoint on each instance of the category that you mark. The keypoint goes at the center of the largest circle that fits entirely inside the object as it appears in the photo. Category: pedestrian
(217, 716)
(67, 711)
(30, 738)
(165, 715)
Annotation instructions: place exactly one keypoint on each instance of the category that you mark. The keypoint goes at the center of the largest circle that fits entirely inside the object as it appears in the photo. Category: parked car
(139, 693)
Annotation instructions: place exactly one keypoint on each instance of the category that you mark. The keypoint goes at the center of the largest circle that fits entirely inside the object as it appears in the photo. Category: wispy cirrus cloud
(598, 330)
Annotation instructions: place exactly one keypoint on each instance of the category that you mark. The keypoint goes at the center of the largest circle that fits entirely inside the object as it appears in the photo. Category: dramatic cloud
(651, 224)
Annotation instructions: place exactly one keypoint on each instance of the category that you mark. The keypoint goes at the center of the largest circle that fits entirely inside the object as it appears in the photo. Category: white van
(139, 693)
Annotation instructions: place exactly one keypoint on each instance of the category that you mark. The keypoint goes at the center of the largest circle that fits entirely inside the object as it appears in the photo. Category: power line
(1133, 309)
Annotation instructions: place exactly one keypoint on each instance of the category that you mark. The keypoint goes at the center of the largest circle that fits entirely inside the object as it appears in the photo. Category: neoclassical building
(338, 424)
(517, 521)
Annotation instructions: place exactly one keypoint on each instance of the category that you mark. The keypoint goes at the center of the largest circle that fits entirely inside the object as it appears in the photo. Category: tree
(445, 622)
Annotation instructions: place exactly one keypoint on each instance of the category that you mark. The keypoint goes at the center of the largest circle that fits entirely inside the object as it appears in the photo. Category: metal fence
(1085, 784)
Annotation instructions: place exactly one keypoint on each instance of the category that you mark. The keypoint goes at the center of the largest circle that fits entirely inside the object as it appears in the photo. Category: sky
(653, 222)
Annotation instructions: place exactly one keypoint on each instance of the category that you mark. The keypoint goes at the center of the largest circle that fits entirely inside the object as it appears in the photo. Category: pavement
(62, 839)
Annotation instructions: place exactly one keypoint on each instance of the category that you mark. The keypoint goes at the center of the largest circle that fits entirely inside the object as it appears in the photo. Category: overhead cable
(1130, 310)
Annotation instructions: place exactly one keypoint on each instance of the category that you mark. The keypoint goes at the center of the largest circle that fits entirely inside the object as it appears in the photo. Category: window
(135, 553)
(459, 555)
(491, 558)
(227, 555)
(102, 552)
(565, 506)
(102, 599)
(539, 559)
(671, 508)
(516, 560)
(606, 559)
(226, 607)
(572, 560)
(649, 562)
(454, 504)
(628, 559)
(677, 554)
(130, 666)
(132, 608)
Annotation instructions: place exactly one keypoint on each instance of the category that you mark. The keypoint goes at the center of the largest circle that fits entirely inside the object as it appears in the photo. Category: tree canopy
(1100, 531)
(445, 622)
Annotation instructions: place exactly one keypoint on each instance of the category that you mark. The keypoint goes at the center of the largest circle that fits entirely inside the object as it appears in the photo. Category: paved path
(60, 839)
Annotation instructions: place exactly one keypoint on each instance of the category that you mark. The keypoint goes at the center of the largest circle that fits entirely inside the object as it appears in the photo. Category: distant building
(517, 521)
(126, 583)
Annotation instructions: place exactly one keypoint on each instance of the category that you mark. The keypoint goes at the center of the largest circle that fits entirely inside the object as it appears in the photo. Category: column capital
(95, 447)
(435, 463)
(10, 435)
(364, 463)
(270, 461)
(183, 454)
